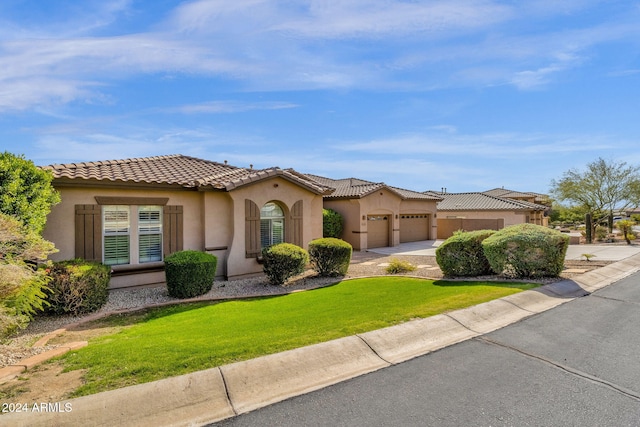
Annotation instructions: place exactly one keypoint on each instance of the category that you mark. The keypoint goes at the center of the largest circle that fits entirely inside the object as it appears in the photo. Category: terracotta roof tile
(177, 169)
(354, 188)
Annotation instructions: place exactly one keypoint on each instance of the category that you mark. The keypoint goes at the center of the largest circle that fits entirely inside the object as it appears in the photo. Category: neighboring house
(132, 213)
(476, 211)
(537, 198)
(378, 215)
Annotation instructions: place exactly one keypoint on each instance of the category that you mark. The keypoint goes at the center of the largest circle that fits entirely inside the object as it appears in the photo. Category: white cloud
(217, 107)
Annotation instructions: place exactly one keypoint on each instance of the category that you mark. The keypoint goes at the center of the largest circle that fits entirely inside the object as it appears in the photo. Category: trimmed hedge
(526, 250)
(283, 261)
(77, 287)
(461, 255)
(189, 273)
(330, 256)
(332, 223)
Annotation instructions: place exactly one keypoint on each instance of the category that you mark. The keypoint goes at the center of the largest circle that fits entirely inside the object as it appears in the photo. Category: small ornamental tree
(526, 250)
(25, 191)
(625, 227)
(22, 285)
(332, 223)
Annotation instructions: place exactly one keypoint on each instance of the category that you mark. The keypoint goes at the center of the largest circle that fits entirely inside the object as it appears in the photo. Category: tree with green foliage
(625, 227)
(26, 192)
(332, 223)
(601, 189)
(22, 285)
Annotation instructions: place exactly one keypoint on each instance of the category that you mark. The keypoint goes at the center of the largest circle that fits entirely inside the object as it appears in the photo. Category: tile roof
(511, 194)
(177, 169)
(354, 188)
(483, 201)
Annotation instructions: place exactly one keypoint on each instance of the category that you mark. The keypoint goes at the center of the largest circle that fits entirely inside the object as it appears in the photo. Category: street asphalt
(575, 365)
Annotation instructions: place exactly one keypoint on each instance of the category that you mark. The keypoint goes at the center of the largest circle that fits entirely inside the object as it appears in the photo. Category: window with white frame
(149, 233)
(271, 225)
(131, 234)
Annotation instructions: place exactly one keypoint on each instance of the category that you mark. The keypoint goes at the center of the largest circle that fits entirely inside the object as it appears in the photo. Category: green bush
(398, 266)
(526, 250)
(189, 273)
(332, 223)
(77, 287)
(283, 261)
(330, 256)
(461, 255)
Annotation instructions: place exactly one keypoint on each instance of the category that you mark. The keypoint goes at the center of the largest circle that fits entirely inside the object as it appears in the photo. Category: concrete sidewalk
(215, 394)
(574, 252)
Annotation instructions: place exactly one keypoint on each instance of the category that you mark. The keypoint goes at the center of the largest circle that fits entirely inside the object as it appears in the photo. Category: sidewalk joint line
(462, 324)
(226, 391)
(624, 391)
(517, 306)
(372, 349)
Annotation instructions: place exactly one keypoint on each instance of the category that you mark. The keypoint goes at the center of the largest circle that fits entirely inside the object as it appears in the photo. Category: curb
(220, 393)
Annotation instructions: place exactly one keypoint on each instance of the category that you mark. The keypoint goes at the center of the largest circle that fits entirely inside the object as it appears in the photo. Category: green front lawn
(176, 340)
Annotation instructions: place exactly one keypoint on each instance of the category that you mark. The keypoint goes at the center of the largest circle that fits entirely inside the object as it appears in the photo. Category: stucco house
(476, 211)
(132, 213)
(378, 215)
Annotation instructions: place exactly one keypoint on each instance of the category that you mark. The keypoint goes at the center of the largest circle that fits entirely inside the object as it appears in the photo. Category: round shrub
(330, 256)
(283, 261)
(189, 273)
(77, 287)
(397, 266)
(461, 255)
(332, 223)
(526, 250)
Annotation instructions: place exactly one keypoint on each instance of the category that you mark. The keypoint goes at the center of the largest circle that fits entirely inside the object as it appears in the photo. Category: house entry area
(414, 227)
(377, 231)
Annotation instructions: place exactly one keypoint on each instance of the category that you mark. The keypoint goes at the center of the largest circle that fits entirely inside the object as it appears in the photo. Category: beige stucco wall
(286, 194)
(60, 227)
(212, 221)
(510, 217)
(355, 211)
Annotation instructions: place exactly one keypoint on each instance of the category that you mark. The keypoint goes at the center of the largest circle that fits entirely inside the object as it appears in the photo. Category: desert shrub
(601, 233)
(189, 273)
(398, 266)
(461, 255)
(283, 261)
(77, 287)
(330, 256)
(332, 223)
(526, 250)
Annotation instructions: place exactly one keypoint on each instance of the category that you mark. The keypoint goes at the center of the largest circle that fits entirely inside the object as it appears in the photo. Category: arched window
(271, 225)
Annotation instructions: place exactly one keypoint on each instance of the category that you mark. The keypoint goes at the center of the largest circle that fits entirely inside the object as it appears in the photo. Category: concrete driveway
(574, 252)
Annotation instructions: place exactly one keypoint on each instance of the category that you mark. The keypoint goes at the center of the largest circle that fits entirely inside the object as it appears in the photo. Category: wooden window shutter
(172, 234)
(252, 229)
(296, 224)
(88, 232)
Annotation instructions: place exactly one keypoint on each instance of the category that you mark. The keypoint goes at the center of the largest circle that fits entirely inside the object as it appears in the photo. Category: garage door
(414, 227)
(377, 231)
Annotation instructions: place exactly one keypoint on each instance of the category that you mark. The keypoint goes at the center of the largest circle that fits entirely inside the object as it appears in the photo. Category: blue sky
(467, 95)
